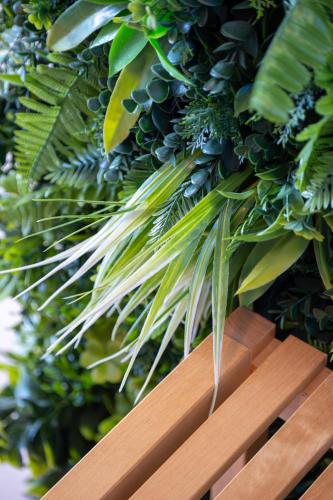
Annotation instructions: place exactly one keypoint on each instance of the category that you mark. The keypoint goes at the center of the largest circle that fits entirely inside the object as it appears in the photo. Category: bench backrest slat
(155, 428)
(322, 487)
(235, 425)
(278, 467)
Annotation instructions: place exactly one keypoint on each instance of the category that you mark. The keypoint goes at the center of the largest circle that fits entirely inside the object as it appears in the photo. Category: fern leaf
(54, 128)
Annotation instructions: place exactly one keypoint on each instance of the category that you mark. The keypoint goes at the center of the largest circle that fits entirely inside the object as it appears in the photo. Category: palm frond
(302, 43)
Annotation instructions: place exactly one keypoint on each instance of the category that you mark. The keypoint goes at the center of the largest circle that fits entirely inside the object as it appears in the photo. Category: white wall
(12, 480)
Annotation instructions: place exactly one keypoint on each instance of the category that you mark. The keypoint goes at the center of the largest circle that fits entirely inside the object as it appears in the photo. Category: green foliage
(302, 41)
(55, 129)
(262, 5)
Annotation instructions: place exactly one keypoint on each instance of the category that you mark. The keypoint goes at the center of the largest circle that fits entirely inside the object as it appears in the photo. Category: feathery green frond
(302, 43)
(53, 129)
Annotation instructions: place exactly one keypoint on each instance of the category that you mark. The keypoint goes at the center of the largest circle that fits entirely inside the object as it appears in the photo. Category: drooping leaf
(197, 283)
(220, 286)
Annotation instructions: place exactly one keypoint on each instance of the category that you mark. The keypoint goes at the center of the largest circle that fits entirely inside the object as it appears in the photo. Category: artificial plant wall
(174, 160)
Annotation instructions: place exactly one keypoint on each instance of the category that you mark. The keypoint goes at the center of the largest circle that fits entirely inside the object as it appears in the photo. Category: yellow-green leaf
(118, 122)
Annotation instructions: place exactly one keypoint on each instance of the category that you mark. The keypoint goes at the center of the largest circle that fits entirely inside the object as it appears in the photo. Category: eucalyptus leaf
(167, 64)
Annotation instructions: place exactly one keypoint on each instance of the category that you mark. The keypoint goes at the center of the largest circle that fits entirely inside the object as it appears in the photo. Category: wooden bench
(167, 448)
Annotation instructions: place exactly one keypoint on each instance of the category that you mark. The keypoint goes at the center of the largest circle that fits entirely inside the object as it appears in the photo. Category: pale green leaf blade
(196, 286)
(175, 321)
(220, 285)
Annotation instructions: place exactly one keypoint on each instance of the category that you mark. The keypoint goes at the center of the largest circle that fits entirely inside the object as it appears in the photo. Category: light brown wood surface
(278, 467)
(322, 488)
(235, 425)
(155, 428)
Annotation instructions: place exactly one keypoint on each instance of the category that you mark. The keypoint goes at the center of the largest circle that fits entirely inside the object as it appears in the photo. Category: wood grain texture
(235, 425)
(156, 427)
(322, 488)
(278, 467)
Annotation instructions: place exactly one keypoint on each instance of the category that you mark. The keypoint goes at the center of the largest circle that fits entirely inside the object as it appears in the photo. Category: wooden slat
(238, 465)
(235, 425)
(303, 395)
(285, 415)
(322, 488)
(146, 437)
(278, 467)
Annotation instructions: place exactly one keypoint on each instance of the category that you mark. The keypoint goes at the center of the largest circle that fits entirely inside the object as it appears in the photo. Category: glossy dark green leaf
(222, 69)
(140, 96)
(242, 99)
(213, 147)
(237, 30)
(160, 72)
(158, 90)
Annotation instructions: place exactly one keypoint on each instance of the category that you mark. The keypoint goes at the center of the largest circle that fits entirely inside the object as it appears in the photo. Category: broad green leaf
(106, 34)
(167, 64)
(79, 21)
(127, 44)
(242, 99)
(283, 253)
(302, 42)
(220, 285)
(118, 122)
